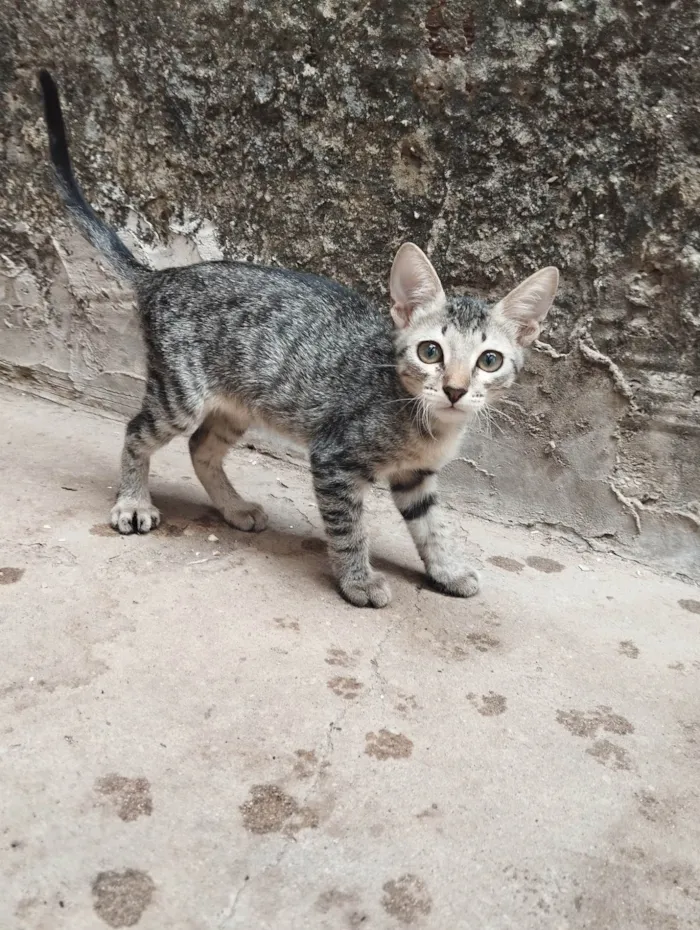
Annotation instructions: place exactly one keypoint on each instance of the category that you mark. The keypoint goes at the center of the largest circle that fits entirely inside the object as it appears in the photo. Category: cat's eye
(429, 352)
(490, 361)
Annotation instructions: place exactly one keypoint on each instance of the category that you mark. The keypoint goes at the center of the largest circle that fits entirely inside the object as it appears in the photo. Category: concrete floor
(198, 734)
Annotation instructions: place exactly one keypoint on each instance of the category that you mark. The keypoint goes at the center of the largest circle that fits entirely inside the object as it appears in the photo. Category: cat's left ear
(414, 283)
(529, 304)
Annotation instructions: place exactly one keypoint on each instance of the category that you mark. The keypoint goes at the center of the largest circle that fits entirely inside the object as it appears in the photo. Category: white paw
(374, 591)
(463, 584)
(250, 518)
(129, 516)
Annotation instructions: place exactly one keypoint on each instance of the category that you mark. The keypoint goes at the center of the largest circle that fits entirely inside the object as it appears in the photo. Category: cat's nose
(454, 393)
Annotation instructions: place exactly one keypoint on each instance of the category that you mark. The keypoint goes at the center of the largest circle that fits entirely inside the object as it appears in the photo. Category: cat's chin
(453, 415)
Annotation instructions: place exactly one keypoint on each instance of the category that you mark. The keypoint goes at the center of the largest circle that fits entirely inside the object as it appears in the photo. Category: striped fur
(230, 344)
(416, 497)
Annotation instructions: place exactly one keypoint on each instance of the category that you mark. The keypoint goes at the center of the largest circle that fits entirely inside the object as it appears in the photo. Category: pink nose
(454, 393)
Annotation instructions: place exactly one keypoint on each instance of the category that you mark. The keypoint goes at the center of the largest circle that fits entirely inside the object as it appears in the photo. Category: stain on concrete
(548, 566)
(429, 812)
(407, 899)
(406, 703)
(587, 723)
(690, 605)
(648, 806)
(628, 648)
(271, 810)
(610, 754)
(339, 657)
(490, 705)
(348, 688)
(483, 642)
(306, 763)
(508, 565)
(103, 529)
(120, 898)
(346, 901)
(387, 745)
(9, 575)
(131, 797)
(285, 623)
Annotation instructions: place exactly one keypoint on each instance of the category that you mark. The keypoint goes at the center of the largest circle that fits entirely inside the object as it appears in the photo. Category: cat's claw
(129, 516)
(250, 518)
(373, 591)
(465, 584)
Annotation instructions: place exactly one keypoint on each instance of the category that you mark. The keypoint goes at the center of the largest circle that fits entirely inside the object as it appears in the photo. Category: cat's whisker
(501, 413)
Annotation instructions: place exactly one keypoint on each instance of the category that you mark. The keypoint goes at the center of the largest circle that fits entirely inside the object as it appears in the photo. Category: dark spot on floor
(627, 648)
(432, 811)
(348, 688)
(285, 623)
(10, 575)
(339, 657)
(120, 898)
(306, 763)
(271, 810)
(103, 529)
(483, 642)
(313, 545)
(690, 605)
(508, 565)
(649, 806)
(490, 705)
(173, 529)
(346, 901)
(386, 745)
(610, 754)
(407, 899)
(587, 723)
(131, 797)
(549, 566)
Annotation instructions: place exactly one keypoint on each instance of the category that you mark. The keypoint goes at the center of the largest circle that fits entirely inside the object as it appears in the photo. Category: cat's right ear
(414, 283)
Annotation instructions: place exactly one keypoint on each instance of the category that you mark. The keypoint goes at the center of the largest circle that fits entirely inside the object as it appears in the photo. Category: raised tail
(95, 230)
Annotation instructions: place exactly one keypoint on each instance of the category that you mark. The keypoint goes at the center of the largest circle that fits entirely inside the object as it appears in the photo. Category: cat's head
(457, 354)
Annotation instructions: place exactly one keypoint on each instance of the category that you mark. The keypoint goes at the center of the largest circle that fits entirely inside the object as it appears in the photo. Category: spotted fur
(231, 344)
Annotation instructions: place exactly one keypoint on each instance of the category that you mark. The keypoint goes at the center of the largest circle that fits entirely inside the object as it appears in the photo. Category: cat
(372, 394)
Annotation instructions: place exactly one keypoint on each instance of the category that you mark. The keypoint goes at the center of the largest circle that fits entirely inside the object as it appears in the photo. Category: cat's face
(456, 355)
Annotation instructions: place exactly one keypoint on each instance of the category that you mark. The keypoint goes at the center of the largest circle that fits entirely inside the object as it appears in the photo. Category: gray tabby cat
(371, 394)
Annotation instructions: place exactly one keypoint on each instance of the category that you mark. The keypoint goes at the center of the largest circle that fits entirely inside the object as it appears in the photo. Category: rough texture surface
(500, 136)
(174, 757)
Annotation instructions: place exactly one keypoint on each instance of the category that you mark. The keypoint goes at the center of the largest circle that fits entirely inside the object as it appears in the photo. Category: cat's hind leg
(160, 419)
(208, 448)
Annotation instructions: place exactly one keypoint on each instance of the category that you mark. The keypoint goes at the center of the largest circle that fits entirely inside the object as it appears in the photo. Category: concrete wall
(500, 136)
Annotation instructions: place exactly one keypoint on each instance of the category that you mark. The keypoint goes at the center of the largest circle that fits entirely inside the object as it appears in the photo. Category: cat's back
(243, 292)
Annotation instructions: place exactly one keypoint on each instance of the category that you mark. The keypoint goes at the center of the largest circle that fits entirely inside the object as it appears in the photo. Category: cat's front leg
(340, 494)
(415, 495)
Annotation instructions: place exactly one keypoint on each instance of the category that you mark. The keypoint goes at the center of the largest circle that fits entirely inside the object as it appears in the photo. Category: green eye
(490, 361)
(429, 352)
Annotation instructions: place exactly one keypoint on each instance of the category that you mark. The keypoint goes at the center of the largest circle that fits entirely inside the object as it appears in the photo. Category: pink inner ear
(528, 332)
(401, 315)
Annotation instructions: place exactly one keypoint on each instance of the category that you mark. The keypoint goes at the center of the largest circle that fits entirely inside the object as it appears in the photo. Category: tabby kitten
(373, 395)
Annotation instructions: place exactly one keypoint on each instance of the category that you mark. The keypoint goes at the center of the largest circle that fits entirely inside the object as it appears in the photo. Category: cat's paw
(373, 591)
(458, 584)
(130, 516)
(250, 518)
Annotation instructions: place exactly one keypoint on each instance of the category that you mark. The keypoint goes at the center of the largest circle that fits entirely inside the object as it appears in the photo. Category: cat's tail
(95, 230)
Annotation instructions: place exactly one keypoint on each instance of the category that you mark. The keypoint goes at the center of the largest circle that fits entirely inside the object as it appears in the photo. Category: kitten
(371, 394)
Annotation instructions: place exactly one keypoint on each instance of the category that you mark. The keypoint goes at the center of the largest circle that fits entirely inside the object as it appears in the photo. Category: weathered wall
(499, 135)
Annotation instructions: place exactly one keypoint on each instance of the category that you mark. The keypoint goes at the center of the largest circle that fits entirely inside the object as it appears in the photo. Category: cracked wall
(319, 135)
